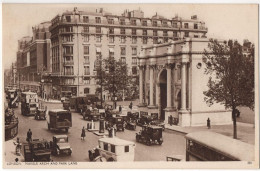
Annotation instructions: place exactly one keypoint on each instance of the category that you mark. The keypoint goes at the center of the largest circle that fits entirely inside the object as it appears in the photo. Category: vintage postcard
(130, 85)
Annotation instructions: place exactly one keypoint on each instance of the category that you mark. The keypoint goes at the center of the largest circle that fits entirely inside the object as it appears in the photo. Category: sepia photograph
(138, 85)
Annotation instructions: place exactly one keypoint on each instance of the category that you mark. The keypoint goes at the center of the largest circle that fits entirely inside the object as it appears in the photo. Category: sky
(224, 21)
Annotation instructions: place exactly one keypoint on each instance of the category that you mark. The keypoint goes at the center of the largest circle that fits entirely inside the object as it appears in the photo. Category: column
(157, 89)
(169, 87)
(183, 86)
(151, 102)
(141, 85)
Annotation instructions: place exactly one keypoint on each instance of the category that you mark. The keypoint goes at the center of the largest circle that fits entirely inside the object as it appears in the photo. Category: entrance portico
(172, 82)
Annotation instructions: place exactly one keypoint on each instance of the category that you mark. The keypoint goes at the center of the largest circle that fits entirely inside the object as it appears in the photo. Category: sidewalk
(9, 151)
(245, 132)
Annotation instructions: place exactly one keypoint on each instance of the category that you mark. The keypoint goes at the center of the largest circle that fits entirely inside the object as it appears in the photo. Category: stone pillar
(157, 94)
(169, 87)
(141, 85)
(183, 86)
(151, 102)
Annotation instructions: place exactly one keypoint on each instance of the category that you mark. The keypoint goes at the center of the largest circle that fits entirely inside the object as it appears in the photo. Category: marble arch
(172, 81)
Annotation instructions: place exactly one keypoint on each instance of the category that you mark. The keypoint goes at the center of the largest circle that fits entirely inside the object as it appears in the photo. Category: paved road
(174, 143)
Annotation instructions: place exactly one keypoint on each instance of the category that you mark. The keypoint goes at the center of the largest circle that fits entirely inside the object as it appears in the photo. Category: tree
(100, 69)
(231, 81)
(112, 76)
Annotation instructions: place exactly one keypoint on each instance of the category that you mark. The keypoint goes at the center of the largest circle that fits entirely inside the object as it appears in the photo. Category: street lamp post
(101, 79)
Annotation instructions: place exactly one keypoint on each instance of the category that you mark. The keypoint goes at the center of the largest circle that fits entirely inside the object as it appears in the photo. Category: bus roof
(116, 141)
(231, 147)
(28, 92)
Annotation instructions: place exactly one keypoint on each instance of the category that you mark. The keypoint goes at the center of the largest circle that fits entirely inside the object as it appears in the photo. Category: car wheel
(110, 159)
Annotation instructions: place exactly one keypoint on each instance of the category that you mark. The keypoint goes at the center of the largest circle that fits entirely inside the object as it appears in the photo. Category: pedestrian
(131, 105)
(29, 136)
(83, 133)
(208, 123)
(120, 108)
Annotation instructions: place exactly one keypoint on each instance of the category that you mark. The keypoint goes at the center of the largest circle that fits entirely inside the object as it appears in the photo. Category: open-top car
(150, 134)
(60, 145)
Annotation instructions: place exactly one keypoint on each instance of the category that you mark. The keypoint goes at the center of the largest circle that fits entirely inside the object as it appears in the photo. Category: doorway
(163, 93)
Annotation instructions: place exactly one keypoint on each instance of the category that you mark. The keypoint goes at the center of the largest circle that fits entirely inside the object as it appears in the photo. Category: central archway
(163, 92)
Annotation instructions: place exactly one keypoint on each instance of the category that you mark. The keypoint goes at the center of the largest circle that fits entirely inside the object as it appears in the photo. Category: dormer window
(133, 22)
(98, 20)
(85, 19)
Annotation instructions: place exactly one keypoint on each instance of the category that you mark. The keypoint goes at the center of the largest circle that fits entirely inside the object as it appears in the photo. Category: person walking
(29, 136)
(83, 134)
(208, 123)
(131, 105)
(120, 108)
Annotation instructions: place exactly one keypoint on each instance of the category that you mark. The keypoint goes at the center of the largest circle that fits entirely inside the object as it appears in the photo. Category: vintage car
(40, 114)
(131, 125)
(81, 101)
(37, 151)
(144, 120)
(150, 134)
(91, 114)
(118, 122)
(59, 119)
(60, 145)
(113, 149)
(158, 123)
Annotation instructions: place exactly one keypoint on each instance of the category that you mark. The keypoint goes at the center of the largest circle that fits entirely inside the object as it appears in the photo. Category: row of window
(133, 22)
(70, 81)
(68, 50)
(69, 70)
(112, 148)
(112, 39)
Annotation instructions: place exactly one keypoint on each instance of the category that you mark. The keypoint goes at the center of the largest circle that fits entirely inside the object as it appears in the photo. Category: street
(174, 143)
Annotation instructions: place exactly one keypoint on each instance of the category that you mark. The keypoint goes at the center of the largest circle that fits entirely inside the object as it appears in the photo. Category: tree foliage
(112, 75)
(231, 69)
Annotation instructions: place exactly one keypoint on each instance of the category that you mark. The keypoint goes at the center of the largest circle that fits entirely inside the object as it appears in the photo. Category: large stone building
(79, 38)
(33, 59)
(172, 82)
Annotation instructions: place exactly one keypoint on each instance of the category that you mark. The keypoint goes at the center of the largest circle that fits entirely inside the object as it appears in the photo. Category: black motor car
(149, 135)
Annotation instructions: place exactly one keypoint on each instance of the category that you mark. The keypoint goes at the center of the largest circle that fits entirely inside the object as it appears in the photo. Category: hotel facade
(80, 38)
(33, 60)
